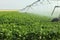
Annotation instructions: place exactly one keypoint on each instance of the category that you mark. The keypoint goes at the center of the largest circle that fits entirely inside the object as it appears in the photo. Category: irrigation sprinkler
(30, 6)
(54, 9)
(55, 19)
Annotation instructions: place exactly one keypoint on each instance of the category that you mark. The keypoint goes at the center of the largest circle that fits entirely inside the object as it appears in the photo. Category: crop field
(26, 26)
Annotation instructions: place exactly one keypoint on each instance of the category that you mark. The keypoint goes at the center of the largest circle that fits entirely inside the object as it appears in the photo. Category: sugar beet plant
(25, 26)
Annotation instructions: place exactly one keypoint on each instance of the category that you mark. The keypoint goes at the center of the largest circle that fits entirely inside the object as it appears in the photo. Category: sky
(39, 8)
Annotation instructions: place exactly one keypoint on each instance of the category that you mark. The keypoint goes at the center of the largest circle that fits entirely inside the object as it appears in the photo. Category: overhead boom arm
(31, 4)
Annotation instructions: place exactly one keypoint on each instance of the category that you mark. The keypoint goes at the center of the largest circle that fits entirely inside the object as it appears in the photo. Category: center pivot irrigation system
(29, 6)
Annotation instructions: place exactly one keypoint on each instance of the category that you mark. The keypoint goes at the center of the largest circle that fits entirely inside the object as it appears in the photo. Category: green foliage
(24, 26)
